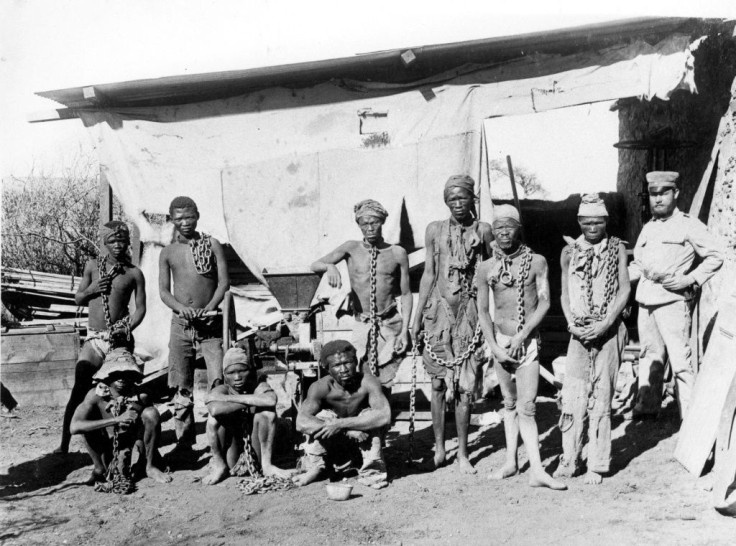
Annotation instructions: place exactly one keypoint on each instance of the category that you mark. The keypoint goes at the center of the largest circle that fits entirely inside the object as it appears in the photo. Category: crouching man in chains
(595, 290)
(197, 264)
(519, 284)
(115, 418)
(344, 418)
(242, 417)
(448, 315)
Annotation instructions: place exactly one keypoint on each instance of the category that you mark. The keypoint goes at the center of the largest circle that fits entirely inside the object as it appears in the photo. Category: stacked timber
(42, 297)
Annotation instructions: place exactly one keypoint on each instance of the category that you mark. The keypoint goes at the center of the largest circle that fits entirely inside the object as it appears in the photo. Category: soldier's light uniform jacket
(668, 247)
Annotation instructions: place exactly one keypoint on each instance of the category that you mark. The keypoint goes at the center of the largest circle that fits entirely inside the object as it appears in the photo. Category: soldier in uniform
(664, 264)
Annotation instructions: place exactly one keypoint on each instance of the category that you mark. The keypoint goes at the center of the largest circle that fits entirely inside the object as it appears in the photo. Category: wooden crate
(37, 364)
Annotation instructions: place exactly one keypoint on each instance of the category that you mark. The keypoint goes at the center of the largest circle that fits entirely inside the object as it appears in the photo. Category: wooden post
(105, 199)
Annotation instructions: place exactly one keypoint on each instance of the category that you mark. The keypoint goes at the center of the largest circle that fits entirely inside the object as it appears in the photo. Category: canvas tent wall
(277, 170)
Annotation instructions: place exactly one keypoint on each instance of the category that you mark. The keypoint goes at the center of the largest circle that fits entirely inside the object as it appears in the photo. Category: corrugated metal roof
(382, 66)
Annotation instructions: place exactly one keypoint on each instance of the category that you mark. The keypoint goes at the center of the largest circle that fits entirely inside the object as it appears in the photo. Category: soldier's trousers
(664, 331)
(587, 392)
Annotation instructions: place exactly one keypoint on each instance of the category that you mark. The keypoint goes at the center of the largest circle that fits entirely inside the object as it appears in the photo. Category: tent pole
(516, 195)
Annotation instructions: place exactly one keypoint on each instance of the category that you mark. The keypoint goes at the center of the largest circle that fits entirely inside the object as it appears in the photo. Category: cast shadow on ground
(16, 527)
(48, 470)
(490, 440)
(641, 436)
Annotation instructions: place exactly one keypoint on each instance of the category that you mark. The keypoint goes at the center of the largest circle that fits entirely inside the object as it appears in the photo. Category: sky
(53, 44)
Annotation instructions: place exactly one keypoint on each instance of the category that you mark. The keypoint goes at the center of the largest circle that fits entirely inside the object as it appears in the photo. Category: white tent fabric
(276, 172)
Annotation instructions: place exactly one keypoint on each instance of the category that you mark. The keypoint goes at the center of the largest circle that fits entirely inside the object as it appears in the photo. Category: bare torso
(505, 298)
(343, 402)
(388, 276)
(123, 286)
(190, 288)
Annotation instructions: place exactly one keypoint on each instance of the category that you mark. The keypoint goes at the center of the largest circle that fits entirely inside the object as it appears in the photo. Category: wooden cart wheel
(228, 322)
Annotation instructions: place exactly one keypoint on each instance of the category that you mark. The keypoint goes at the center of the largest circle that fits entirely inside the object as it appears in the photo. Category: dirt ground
(649, 499)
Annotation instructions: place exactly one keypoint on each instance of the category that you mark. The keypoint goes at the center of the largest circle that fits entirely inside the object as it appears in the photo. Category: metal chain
(253, 481)
(247, 465)
(117, 481)
(412, 403)
(611, 280)
(373, 350)
(202, 253)
(116, 270)
(265, 484)
(123, 323)
(520, 280)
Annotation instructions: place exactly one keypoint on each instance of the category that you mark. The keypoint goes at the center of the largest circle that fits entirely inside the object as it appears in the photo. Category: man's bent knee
(528, 409)
(509, 404)
(150, 416)
(265, 418)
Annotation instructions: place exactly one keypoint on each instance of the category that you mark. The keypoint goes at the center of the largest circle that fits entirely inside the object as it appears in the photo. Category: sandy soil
(649, 499)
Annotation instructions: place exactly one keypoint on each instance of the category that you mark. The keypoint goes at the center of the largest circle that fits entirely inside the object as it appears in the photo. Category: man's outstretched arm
(326, 264)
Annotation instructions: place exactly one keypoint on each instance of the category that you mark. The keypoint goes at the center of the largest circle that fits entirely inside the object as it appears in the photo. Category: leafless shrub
(51, 223)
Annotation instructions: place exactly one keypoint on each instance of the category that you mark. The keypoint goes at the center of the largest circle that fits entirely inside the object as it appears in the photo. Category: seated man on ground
(114, 412)
(243, 405)
(343, 418)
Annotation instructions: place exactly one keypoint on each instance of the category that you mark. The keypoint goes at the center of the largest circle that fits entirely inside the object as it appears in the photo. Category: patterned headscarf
(460, 181)
(115, 228)
(370, 207)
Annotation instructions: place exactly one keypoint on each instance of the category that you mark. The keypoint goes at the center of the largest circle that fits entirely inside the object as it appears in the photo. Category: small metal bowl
(339, 491)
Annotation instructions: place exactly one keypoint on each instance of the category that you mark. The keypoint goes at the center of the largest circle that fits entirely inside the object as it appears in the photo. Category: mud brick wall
(685, 117)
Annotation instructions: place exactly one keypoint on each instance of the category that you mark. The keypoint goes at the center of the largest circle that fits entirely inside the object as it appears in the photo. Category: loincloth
(450, 336)
(529, 355)
(98, 341)
(390, 323)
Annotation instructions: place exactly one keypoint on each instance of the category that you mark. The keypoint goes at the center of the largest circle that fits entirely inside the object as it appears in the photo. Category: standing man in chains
(197, 264)
(107, 285)
(448, 314)
(519, 283)
(378, 272)
(595, 290)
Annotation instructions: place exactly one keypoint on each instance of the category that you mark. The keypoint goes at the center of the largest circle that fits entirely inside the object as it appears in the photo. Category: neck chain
(201, 248)
(522, 275)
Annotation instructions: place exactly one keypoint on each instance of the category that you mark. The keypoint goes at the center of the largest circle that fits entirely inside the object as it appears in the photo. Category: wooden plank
(698, 432)
(39, 347)
(46, 385)
(724, 470)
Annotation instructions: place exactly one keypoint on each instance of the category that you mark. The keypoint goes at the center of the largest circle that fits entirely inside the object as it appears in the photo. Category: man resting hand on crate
(343, 419)
(242, 409)
(197, 264)
(106, 286)
(378, 273)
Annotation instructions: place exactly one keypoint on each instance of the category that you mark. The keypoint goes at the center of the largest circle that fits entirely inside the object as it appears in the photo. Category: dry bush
(50, 223)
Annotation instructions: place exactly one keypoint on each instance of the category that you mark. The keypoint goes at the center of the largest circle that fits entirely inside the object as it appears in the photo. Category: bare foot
(277, 472)
(592, 478)
(565, 470)
(307, 477)
(542, 479)
(219, 472)
(465, 466)
(506, 471)
(97, 476)
(157, 475)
